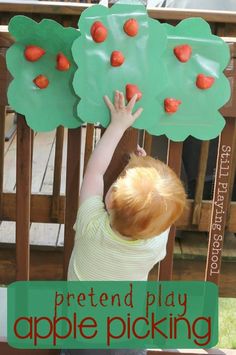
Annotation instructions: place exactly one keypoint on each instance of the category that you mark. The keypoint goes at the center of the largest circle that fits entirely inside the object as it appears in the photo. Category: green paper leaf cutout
(198, 114)
(143, 65)
(44, 109)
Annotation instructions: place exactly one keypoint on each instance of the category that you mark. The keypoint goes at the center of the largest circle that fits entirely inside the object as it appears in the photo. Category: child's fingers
(116, 100)
(121, 100)
(137, 113)
(138, 147)
(131, 103)
(108, 103)
(140, 151)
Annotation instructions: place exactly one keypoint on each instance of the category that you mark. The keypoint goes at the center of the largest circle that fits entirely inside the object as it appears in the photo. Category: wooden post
(72, 192)
(57, 172)
(127, 145)
(174, 161)
(220, 201)
(23, 190)
(202, 166)
(88, 144)
(148, 143)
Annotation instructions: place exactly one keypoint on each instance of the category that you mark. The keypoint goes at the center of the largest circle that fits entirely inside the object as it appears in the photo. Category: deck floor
(190, 244)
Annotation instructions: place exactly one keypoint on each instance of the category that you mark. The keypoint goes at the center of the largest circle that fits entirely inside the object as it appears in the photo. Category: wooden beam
(7, 350)
(47, 264)
(127, 145)
(220, 201)
(72, 191)
(41, 212)
(57, 171)
(88, 144)
(23, 194)
(70, 8)
(202, 167)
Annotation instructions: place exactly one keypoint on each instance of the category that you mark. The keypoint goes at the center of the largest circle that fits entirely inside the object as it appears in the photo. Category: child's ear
(109, 204)
(109, 200)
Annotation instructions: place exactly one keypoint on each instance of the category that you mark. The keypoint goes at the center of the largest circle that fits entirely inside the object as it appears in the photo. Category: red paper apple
(183, 52)
(204, 82)
(131, 27)
(41, 81)
(63, 63)
(117, 58)
(131, 90)
(94, 26)
(171, 105)
(98, 32)
(33, 53)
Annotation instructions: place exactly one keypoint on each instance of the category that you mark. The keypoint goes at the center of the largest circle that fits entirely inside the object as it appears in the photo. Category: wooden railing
(24, 207)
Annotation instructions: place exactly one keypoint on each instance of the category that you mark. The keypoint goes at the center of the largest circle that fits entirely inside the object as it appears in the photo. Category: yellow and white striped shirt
(101, 254)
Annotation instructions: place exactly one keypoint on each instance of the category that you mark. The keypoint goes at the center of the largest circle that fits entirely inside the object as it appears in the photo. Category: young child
(123, 238)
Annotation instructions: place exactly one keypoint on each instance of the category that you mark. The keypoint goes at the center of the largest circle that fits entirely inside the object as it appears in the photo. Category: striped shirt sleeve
(89, 213)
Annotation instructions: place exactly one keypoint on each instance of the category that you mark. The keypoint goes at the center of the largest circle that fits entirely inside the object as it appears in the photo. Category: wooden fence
(24, 207)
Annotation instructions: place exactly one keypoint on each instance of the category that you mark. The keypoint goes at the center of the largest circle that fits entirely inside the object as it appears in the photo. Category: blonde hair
(146, 198)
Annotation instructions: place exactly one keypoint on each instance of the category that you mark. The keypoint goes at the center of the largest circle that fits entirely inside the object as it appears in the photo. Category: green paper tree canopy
(143, 65)
(147, 59)
(44, 109)
(150, 63)
(198, 113)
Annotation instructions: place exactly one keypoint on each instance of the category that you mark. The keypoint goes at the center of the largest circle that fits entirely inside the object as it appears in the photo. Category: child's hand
(140, 152)
(121, 115)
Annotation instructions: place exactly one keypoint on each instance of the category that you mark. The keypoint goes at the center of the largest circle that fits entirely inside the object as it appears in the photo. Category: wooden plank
(202, 166)
(72, 192)
(44, 7)
(63, 168)
(48, 265)
(10, 167)
(3, 76)
(60, 241)
(47, 183)
(70, 8)
(181, 14)
(194, 244)
(220, 201)
(88, 144)
(41, 212)
(57, 170)
(229, 109)
(45, 234)
(7, 350)
(177, 247)
(8, 232)
(174, 159)
(119, 160)
(43, 143)
(41, 234)
(23, 189)
(148, 143)
(82, 152)
(9, 123)
(40, 208)
(193, 270)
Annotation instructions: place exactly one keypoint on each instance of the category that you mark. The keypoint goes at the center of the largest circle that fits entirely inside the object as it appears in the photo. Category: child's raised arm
(121, 119)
